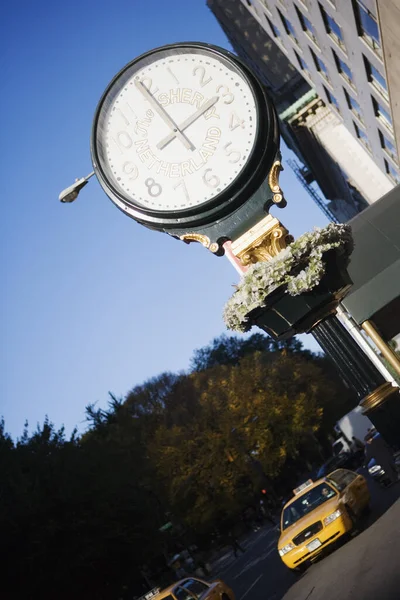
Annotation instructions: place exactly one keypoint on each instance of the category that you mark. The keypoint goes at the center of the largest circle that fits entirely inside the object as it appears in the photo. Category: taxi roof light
(303, 487)
(151, 594)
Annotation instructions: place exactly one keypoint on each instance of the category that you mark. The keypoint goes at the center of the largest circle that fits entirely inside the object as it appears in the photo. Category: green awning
(375, 262)
(298, 105)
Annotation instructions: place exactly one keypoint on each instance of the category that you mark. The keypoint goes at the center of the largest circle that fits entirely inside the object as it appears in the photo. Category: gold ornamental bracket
(273, 182)
(378, 397)
(202, 239)
(262, 242)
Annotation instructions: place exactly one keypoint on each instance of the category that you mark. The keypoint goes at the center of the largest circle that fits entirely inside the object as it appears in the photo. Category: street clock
(185, 140)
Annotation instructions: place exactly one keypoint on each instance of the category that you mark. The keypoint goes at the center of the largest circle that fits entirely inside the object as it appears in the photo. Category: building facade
(346, 130)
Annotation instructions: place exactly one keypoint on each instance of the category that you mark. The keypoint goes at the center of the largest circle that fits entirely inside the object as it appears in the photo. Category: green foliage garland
(263, 278)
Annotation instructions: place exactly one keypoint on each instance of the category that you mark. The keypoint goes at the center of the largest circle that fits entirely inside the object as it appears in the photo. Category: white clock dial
(176, 129)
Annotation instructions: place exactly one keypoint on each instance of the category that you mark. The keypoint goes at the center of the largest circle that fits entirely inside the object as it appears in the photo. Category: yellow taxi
(319, 514)
(192, 588)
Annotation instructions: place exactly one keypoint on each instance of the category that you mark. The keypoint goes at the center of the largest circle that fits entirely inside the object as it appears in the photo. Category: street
(365, 568)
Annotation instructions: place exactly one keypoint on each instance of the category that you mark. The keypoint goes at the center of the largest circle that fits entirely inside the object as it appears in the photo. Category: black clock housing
(219, 218)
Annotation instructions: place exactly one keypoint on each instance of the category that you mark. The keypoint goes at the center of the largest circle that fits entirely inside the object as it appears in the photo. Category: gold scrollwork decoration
(273, 182)
(202, 239)
(267, 247)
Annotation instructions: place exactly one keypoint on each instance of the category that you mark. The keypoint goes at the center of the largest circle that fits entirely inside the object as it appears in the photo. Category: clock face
(175, 129)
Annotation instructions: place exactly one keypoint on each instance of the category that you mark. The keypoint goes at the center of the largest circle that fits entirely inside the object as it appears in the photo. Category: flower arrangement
(300, 267)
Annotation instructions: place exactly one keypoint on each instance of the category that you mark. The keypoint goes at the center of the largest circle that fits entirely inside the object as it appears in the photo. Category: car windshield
(306, 503)
(337, 448)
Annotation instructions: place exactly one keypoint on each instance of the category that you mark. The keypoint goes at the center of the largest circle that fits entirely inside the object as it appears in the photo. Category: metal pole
(353, 328)
(379, 399)
(382, 346)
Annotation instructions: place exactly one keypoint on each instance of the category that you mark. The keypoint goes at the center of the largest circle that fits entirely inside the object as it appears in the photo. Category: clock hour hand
(176, 132)
(171, 136)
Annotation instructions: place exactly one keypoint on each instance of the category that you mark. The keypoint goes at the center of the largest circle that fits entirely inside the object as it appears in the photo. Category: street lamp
(72, 192)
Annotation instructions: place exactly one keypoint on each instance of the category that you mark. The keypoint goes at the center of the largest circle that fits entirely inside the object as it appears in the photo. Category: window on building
(362, 136)
(331, 99)
(382, 114)
(392, 172)
(290, 30)
(353, 105)
(320, 65)
(251, 5)
(367, 27)
(332, 28)
(388, 146)
(265, 4)
(304, 3)
(302, 63)
(343, 69)
(376, 78)
(274, 28)
(307, 26)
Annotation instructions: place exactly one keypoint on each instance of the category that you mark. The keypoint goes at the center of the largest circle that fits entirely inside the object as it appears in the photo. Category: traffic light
(264, 492)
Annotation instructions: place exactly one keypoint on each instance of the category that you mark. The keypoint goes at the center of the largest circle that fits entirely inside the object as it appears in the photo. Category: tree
(229, 419)
(75, 515)
(230, 350)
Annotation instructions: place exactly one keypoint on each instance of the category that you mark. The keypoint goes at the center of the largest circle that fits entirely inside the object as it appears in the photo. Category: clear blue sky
(92, 301)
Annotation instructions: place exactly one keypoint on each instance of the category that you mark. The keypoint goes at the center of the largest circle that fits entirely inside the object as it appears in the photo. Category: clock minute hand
(176, 132)
(164, 142)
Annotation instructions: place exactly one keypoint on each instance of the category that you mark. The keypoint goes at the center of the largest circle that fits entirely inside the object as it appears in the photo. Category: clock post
(185, 140)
